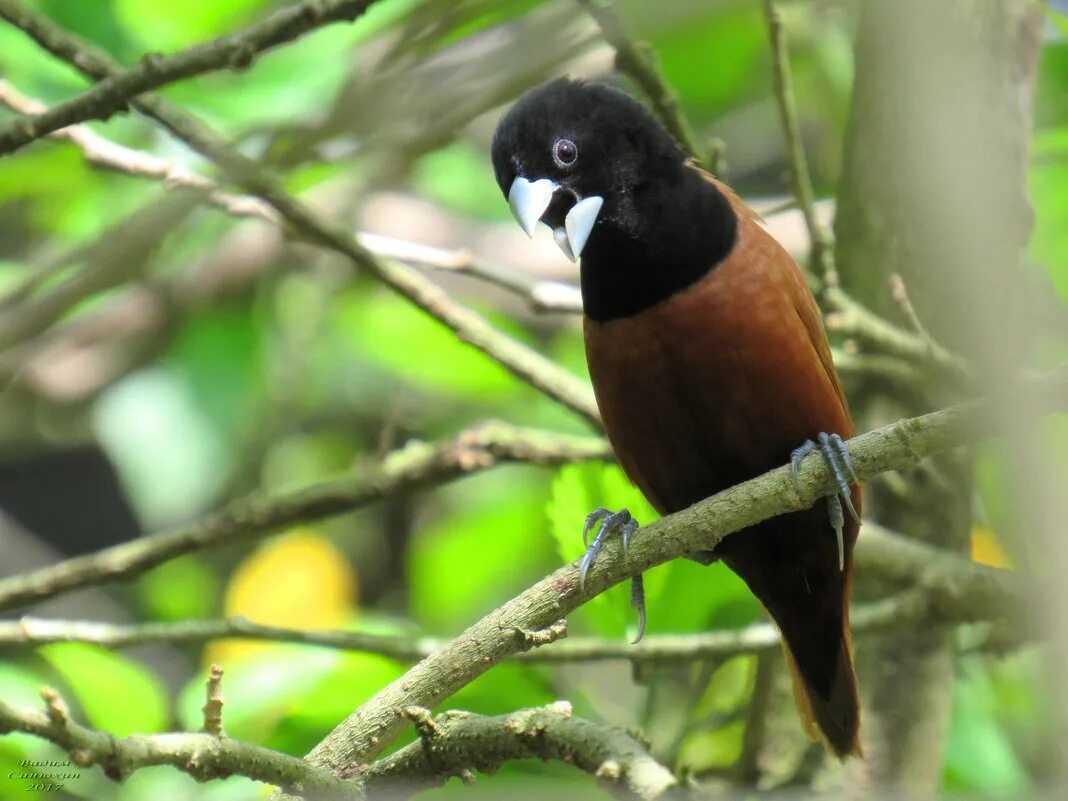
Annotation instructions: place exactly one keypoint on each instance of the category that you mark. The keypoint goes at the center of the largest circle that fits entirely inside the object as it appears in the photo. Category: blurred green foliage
(301, 374)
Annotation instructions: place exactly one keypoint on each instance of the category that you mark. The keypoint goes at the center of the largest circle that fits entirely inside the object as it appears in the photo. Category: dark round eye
(565, 153)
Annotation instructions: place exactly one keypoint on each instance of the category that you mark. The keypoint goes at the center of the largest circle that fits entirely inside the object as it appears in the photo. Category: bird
(708, 359)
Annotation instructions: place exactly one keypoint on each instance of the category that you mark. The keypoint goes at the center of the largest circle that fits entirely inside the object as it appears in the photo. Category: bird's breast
(719, 382)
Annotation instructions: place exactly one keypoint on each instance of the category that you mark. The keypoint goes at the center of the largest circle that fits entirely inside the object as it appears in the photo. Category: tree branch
(701, 527)
(103, 153)
(822, 247)
(943, 588)
(455, 743)
(414, 466)
(203, 756)
(235, 52)
(525, 363)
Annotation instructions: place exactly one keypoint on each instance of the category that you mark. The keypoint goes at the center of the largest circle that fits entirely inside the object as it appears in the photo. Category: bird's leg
(610, 523)
(836, 455)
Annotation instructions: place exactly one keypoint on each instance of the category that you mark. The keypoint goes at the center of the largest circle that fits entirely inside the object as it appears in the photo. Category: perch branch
(236, 52)
(525, 363)
(202, 756)
(414, 466)
(701, 527)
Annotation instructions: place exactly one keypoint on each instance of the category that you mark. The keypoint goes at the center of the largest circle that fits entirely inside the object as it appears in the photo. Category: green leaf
(979, 755)
(490, 545)
(115, 693)
(181, 589)
(408, 342)
(460, 177)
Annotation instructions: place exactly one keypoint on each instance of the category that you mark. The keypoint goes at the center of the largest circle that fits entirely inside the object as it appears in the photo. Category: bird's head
(576, 156)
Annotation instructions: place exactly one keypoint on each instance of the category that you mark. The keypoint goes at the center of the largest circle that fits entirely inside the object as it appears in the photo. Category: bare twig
(455, 743)
(822, 246)
(899, 446)
(944, 589)
(202, 756)
(237, 52)
(213, 706)
(103, 153)
(523, 362)
(638, 61)
(415, 466)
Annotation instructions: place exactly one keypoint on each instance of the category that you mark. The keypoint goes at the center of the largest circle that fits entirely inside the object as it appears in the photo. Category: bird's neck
(683, 229)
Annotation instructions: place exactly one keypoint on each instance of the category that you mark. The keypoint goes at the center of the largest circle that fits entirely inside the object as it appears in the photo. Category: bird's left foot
(834, 452)
(610, 523)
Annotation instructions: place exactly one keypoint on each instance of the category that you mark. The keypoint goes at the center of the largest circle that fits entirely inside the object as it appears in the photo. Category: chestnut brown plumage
(706, 351)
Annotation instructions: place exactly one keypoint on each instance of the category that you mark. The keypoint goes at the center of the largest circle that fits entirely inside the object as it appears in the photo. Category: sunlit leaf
(299, 580)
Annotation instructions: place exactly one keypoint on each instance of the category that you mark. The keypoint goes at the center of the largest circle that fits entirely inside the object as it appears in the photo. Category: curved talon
(637, 601)
(598, 514)
(843, 454)
(610, 523)
(834, 512)
(834, 452)
(630, 528)
(589, 557)
(798, 455)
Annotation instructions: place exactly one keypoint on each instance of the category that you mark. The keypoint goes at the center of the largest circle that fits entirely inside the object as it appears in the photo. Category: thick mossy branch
(203, 756)
(701, 527)
(415, 466)
(237, 52)
(457, 743)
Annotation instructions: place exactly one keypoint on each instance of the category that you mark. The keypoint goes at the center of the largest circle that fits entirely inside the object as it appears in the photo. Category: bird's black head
(599, 170)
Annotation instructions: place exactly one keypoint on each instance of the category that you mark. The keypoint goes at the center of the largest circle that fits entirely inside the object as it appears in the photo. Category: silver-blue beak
(529, 200)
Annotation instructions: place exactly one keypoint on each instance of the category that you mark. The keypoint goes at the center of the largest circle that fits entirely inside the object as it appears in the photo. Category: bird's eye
(565, 153)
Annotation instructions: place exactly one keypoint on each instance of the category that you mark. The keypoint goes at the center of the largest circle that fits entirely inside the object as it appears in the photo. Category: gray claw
(798, 455)
(833, 449)
(637, 601)
(627, 526)
(834, 463)
(843, 454)
(600, 513)
(834, 512)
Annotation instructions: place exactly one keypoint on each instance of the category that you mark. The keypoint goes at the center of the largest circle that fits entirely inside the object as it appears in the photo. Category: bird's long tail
(791, 564)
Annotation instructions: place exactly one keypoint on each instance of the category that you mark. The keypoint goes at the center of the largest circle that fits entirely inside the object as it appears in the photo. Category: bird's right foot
(610, 523)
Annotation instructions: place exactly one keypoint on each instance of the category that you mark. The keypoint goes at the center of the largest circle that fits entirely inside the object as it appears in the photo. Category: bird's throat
(678, 235)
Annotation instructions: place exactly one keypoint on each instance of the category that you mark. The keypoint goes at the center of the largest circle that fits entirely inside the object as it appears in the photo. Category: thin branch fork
(902, 445)
(203, 756)
(237, 51)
